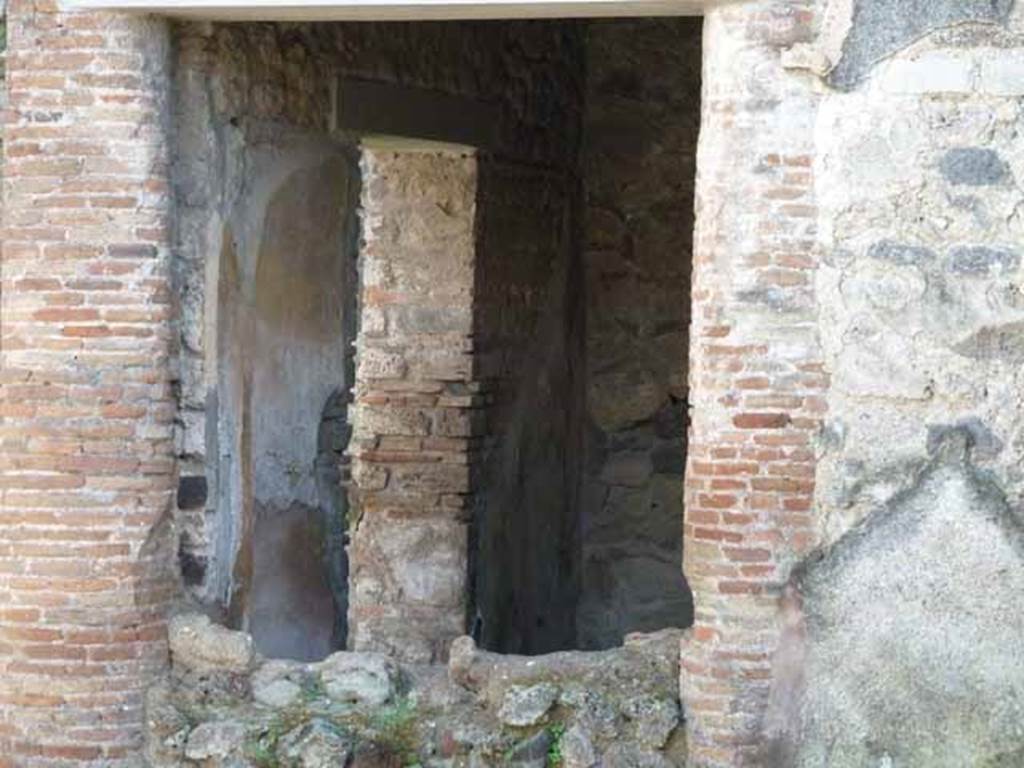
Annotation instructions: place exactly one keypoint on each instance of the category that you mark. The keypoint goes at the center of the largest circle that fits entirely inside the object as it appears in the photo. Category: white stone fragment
(931, 72)
(200, 645)
(1002, 74)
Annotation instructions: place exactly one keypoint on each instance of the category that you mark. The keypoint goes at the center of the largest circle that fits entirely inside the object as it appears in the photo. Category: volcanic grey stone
(578, 748)
(533, 752)
(525, 706)
(998, 342)
(215, 740)
(883, 27)
(973, 167)
(276, 684)
(903, 254)
(655, 720)
(630, 756)
(982, 260)
(192, 491)
(368, 679)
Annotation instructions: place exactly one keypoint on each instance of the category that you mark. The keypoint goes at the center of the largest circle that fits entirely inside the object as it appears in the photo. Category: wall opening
(506, 372)
(582, 310)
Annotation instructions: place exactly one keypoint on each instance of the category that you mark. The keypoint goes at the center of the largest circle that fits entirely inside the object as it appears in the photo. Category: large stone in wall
(910, 650)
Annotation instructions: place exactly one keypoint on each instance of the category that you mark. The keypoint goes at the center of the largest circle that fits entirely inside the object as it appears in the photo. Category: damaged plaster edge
(821, 56)
(826, 56)
(957, 445)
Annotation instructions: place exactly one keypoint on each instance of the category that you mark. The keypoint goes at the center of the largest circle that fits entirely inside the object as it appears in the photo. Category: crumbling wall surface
(911, 617)
(528, 359)
(222, 705)
(640, 135)
(878, 29)
(905, 660)
(281, 357)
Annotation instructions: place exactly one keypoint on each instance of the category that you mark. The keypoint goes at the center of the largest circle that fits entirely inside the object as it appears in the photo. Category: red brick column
(756, 376)
(85, 489)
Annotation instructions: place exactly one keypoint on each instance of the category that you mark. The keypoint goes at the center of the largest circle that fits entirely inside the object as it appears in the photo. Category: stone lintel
(397, 10)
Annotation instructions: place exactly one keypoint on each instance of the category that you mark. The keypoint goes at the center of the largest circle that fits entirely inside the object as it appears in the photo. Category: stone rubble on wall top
(573, 709)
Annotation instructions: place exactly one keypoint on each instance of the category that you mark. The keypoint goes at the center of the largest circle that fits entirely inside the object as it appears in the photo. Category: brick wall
(756, 376)
(86, 400)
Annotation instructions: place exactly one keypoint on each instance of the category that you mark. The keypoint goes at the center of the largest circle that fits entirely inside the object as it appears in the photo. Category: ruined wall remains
(265, 270)
(757, 377)
(853, 532)
(640, 134)
(221, 705)
(416, 411)
(919, 478)
(853, 490)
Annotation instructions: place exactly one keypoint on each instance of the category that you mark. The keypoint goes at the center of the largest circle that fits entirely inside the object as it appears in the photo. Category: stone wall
(640, 134)
(853, 534)
(852, 494)
(416, 411)
(919, 481)
(222, 705)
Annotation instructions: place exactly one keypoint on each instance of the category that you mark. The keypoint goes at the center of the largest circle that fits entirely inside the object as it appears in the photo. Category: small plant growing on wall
(556, 731)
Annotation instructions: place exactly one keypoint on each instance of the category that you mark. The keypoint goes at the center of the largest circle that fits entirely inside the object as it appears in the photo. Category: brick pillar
(756, 374)
(87, 463)
(416, 406)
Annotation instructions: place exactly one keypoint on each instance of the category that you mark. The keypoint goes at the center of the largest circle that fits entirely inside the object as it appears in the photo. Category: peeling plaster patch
(910, 627)
(883, 27)
(973, 167)
(998, 342)
(980, 439)
(982, 261)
